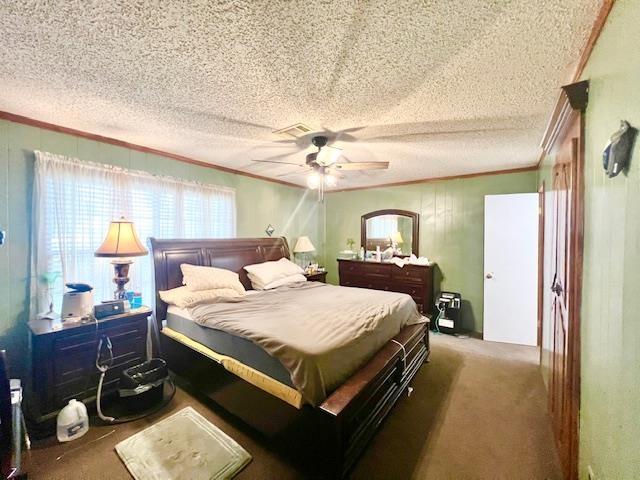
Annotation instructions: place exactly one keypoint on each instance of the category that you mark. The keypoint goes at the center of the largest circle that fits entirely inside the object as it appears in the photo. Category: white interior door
(511, 268)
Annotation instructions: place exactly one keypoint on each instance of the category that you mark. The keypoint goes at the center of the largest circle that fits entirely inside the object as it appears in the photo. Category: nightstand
(63, 358)
(317, 277)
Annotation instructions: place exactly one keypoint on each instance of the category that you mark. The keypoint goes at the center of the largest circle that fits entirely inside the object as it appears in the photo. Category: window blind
(74, 202)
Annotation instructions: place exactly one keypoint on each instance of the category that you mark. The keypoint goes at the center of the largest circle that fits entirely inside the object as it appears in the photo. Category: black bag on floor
(143, 385)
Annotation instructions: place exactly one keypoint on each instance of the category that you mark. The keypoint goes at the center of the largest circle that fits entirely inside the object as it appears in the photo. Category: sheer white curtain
(74, 201)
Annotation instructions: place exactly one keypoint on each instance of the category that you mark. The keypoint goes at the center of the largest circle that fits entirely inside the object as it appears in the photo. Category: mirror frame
(392, 211)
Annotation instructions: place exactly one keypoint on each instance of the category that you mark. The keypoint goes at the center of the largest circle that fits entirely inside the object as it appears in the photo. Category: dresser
(64, 355)
(414, 280)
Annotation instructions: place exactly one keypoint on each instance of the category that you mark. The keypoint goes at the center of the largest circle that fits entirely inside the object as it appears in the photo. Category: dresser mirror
(390, 229)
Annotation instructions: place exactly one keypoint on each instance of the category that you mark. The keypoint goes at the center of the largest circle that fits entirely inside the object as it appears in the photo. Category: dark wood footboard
(359, 406)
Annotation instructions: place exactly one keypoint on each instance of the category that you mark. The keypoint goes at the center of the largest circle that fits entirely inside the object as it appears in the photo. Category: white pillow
(298, 277)
(182, 297)
(267, 272)
(198, 278)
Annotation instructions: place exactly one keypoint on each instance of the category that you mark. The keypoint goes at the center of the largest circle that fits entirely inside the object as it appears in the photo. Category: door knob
(489, 275)
(557, 288)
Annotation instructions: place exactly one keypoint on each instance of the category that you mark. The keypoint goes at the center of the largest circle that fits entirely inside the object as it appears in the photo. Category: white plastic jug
(73, 421)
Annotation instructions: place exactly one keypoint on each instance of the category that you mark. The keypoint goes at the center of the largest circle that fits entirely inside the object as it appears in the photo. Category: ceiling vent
(297, 130)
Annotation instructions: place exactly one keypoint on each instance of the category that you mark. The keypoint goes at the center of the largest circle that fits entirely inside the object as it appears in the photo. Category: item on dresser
(135, 299)
(49, 279)
(414, 280)
(396, 241)
(318, 276)
(347, 254)
(120, 243)
(113, 307)
(412, 260)
(197, 278)
(77, 303)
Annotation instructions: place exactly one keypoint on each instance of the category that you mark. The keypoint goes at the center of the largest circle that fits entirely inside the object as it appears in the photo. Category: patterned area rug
(184, 445)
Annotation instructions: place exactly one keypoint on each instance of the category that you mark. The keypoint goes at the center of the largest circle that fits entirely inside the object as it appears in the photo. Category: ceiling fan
(323, 165)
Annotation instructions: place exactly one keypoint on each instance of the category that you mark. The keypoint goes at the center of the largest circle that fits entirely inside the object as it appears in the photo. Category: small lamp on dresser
(396, 240)
(121, 243)
(304, 246)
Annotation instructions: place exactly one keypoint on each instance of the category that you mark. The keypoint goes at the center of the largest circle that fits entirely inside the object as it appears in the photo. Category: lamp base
(121, 278)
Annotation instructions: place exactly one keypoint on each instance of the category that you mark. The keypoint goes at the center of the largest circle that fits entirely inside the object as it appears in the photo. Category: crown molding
(437, 179)
(12, 117)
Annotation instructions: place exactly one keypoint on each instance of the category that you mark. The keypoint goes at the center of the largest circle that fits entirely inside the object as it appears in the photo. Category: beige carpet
(478, 411)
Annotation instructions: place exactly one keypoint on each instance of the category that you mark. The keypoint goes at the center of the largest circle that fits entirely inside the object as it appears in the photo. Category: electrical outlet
(590, 474)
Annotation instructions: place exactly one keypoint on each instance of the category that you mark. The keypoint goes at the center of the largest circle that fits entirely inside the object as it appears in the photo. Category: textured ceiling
(436, 88)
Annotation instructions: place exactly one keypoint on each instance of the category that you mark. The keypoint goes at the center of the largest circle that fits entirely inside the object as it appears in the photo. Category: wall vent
(297, 130)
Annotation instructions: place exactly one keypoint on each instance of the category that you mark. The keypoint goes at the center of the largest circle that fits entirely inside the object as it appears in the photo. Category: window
(74, 202)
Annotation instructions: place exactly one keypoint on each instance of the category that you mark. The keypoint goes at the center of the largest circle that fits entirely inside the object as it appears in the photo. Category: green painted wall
(291, 210)
(451, 227)
(610, 384)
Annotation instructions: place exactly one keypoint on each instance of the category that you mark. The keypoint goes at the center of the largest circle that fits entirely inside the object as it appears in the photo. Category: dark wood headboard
(232, 254)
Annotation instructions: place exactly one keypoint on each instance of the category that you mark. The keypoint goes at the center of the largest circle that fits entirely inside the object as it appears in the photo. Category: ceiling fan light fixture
(328, 156)
(330, 180)
(313, 180)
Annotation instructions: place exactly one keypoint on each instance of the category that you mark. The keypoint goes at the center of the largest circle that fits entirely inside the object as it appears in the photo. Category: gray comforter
(321, 333)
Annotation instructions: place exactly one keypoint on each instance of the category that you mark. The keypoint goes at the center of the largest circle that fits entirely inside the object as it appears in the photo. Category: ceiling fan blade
(295, 172)
(276, 161)
(361, 166)
(276, 157)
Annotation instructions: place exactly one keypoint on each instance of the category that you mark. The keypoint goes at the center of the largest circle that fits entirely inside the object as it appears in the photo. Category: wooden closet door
(566, 262)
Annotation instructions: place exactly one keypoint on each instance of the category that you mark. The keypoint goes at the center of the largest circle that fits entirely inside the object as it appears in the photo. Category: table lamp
(121, 243)
(396, 239)
(303, 245)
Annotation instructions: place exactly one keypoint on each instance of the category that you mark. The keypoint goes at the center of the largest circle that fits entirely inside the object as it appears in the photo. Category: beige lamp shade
(303, 245)
(397, 238)
(121, 241)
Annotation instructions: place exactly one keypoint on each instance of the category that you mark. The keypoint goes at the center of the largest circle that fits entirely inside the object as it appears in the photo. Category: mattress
(224, 343)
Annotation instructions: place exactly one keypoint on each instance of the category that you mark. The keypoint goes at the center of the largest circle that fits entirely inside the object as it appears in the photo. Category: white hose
(103, 371)
(98, 395)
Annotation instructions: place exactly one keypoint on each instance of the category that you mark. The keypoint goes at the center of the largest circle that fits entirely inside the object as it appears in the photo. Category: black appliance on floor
(449, 321)
(141, 387)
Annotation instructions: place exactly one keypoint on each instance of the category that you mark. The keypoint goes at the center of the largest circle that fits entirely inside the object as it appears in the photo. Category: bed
(254, 386)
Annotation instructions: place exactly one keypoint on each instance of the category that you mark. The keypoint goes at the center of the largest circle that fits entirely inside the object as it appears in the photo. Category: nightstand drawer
(79, 360)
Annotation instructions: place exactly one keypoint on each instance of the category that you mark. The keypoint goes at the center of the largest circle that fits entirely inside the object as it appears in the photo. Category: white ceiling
(437, 88)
